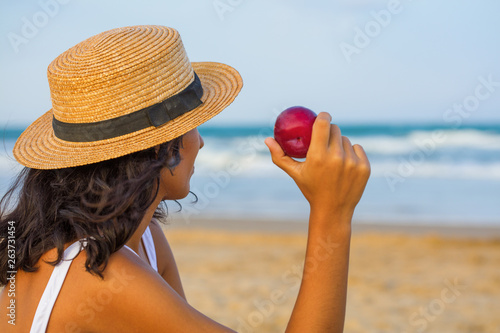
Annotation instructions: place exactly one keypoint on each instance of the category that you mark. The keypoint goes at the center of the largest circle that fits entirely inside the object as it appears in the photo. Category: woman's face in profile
(176, 185)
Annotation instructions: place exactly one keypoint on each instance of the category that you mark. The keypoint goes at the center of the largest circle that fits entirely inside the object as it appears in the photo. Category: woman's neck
(135, 241)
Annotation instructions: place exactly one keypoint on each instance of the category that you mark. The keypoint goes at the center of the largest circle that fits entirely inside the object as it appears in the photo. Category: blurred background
(417, 83)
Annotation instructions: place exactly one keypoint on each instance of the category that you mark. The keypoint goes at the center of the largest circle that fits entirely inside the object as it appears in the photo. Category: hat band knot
(154, 115)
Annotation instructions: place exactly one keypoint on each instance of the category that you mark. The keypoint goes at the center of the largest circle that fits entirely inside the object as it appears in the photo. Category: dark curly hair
(102, 202)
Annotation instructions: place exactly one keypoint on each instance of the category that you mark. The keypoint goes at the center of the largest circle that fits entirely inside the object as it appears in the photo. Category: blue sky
(415, 62)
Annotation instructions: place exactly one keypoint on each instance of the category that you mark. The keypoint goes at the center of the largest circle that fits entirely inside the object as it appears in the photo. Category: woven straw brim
(38, 148)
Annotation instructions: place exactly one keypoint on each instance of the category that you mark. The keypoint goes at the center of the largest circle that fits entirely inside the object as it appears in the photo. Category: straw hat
(123, 91)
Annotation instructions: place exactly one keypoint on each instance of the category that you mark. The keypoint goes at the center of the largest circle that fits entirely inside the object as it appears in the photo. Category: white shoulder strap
(149, 245)
(44, 309)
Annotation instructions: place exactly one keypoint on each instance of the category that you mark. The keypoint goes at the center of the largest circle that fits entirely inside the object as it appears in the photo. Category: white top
(44, 309)
(149, 245)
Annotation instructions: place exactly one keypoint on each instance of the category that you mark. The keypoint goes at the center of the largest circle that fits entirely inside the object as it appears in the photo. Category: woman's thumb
(283, 161)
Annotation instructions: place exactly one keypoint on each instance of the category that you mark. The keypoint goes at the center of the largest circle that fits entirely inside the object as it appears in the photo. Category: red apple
(293, 129)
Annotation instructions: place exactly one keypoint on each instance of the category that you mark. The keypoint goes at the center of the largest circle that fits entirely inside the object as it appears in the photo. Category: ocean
(421, 175)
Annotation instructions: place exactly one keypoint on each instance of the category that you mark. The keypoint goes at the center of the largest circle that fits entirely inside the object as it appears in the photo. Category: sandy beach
(401, 279)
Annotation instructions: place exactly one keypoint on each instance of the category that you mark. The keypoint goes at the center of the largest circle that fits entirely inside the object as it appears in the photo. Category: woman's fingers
(336, 139)
(360, 153)
(334, 173)
(347, 147)
(283, 161)
(320, 134)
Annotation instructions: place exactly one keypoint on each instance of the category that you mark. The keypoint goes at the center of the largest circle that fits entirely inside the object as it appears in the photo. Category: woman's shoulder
(155, 227)
(84, 301)
(124, 269)
(130, 297)
(89, 302)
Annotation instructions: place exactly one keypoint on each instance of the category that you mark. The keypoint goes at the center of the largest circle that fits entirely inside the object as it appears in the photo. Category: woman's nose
(202, 143)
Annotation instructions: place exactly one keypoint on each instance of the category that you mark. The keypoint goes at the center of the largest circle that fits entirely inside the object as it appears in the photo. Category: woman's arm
(332, 179)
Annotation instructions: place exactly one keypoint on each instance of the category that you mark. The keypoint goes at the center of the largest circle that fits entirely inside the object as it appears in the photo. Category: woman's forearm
(320, 305)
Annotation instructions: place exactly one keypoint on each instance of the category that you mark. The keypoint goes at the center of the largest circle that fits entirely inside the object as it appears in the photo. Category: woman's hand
(334, 174)
(332, 178)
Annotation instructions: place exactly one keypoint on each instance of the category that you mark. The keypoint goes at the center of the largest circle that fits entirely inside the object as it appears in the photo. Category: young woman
(80, 246)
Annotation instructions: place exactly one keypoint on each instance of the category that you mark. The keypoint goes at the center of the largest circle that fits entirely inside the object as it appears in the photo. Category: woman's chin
(176, 196)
